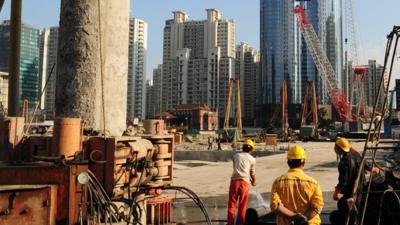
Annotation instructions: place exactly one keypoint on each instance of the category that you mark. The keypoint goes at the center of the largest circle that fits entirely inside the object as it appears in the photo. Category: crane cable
(101, 68)
(26, 130)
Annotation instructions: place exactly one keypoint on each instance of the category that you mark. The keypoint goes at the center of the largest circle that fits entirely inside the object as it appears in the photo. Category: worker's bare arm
(253, 179)
(253, 174)
(285, 211)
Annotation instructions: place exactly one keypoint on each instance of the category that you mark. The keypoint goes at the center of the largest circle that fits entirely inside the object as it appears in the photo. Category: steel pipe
(14, 58)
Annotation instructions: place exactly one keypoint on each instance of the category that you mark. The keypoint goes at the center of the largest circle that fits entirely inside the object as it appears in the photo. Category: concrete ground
(210, 179)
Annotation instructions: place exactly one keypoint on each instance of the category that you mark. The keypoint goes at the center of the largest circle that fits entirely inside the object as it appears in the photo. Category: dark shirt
(348, 168)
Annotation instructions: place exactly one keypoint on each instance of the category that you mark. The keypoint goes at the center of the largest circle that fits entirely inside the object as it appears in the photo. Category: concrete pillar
(86, 76)
(200, 121)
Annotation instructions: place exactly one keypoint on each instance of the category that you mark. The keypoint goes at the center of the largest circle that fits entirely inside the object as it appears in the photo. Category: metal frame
(380, 112)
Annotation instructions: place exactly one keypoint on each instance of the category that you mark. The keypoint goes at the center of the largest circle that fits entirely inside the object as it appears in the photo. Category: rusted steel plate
(63, 176)
(28, 206)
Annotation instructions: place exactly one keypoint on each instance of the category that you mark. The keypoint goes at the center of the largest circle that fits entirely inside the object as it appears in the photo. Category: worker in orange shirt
(296, 198)
(244, 165)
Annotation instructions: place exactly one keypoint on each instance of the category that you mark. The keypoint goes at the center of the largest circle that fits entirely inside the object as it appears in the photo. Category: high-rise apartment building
(48, 59)
(29, 60)
(137, 69)
(284, 54)
(247, 70)
(198, 60)
(150, 106)
(373, 77)
(4, 90)
(157, 89)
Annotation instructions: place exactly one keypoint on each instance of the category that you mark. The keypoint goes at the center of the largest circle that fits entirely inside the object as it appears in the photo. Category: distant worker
(219, 141)
(244, 167)
(210, 141)
(350, 161)
(296, 198)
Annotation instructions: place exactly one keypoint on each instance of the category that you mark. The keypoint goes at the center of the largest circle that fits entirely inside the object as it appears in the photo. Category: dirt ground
(209, 179)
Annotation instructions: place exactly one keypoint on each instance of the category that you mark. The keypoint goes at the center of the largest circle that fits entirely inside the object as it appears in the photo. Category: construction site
(92, 165)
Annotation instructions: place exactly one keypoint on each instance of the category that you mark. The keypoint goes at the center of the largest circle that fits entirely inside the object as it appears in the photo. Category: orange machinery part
(154, 127)
(67, 136)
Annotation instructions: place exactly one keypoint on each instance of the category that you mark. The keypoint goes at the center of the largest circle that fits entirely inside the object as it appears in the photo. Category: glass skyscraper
(29, 60)
(334, 37)
(284, 54)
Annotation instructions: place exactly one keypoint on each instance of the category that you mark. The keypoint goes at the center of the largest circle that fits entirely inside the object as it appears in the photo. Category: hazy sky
(374, 20)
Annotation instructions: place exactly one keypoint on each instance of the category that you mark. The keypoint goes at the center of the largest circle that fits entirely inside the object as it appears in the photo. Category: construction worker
(296, 198)
(210, 141)
(349, 164)
(219, 141)
(244, 165)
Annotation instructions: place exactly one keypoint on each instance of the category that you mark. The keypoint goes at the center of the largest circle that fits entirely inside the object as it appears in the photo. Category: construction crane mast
(357, 97)
(324, 67)
(351, 34)
(358, 107)
(238, 113)
(282, 111)
(313, 105)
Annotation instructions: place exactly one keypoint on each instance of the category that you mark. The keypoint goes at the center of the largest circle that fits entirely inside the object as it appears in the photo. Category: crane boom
(351, 31)
(324, 67)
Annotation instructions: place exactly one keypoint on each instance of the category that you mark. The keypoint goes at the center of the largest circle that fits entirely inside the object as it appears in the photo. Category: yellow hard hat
(297, 152)
(343, 144)
(250, 143)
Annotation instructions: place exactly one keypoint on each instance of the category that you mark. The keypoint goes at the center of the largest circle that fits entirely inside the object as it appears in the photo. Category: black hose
(381, 202)
(136, 211)
(194, 198)
(105, 206)
(99, 200)
(135, 208)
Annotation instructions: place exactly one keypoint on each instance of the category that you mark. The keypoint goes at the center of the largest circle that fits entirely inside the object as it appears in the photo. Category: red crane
(357, 97)
(337, 96)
